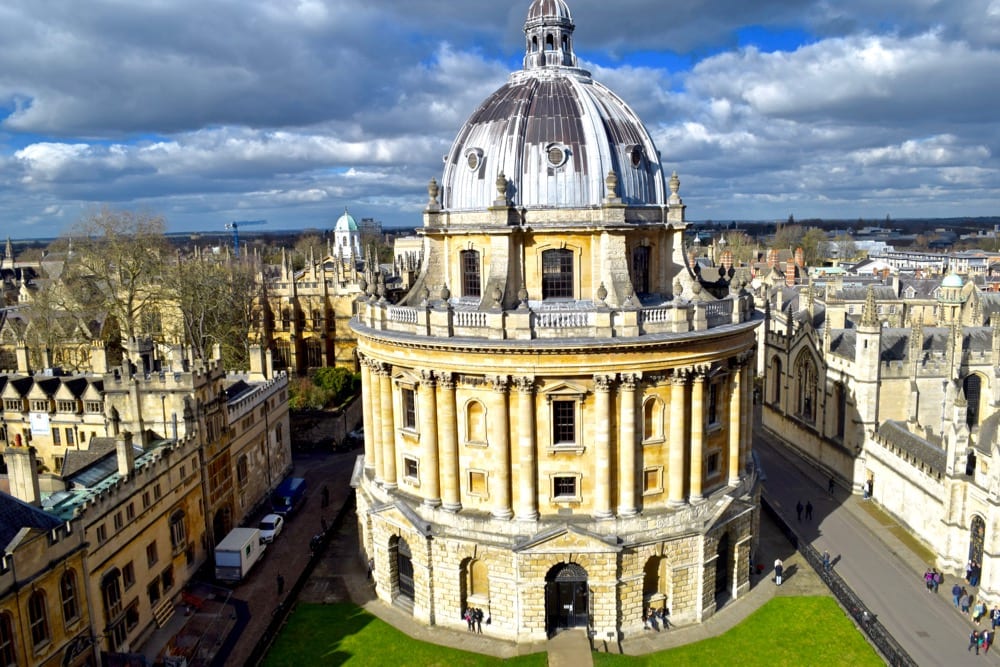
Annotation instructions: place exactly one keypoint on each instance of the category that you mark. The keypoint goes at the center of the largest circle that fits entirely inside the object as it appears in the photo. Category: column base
(676, 504)
(697, 499)
(504, 515)
(390, 487)
(432, 502)
(604, 515)
(627, 511)
(528, 518)
(734, 481)
(452, 507)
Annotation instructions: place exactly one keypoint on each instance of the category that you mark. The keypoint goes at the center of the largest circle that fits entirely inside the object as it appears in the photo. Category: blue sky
(291, 110)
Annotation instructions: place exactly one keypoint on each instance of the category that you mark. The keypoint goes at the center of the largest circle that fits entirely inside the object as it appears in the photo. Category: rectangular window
(95, 407)
(118, 521)
(712, 464)
(411, 468)
(477, 483)
(167, 579)
(102, 534)
(58, 461)
(563, 422)
(713, 403)
(154, 591)
(56, 439)
(66, 406)
(557, 274)
(12, 404)
(409, 409)
(471, 280)
(70, 436)
(652, 480)
(151, 556)
(130, 511)
(564, 487)
(128, 575)
(40, 406)
(145, 500)
(156, 491)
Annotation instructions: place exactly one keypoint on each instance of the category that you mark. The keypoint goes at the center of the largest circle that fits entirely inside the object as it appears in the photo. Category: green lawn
(345, 634)
(785, 631)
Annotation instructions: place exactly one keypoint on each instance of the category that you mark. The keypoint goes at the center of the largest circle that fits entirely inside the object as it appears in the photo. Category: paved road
(886, 574)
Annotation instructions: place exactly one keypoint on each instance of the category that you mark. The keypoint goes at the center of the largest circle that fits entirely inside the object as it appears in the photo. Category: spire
(869, 312)
(549, 32)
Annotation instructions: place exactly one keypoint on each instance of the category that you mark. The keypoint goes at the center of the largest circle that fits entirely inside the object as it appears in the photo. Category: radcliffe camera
(686, 352)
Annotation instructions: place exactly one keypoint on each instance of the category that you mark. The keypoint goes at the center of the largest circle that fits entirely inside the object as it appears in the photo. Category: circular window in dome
(635, 155)
(558, 154)
(473, 158)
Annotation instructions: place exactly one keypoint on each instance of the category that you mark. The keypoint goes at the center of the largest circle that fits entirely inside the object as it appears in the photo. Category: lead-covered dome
(553, 132)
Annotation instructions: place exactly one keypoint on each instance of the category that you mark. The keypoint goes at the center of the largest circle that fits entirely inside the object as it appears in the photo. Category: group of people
(474, 619)
(981, 640)
(808, 507)
(933, 579)
(654, 618)
(972, 571)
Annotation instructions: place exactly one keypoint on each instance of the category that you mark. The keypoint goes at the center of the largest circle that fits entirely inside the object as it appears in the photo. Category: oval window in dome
(635, 155)
(473, 158)
(557, 155)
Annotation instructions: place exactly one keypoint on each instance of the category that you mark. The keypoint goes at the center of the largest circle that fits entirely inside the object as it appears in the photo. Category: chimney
(22, 472)
(126, 455)
(790, 273)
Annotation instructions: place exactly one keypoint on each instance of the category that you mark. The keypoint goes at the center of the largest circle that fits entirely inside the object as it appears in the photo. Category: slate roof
(16, 514)
(921, 449)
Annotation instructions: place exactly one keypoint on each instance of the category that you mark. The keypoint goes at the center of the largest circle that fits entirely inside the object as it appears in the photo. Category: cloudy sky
(208, 111)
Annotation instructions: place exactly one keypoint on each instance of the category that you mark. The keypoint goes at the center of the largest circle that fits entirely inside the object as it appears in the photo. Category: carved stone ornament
(445, 293)
(432, 193)
(602, 292)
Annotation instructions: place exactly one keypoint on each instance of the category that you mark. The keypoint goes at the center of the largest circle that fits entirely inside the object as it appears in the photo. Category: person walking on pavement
(956, 594)
(778, 568)
(830, 486)
(995, 617)
(826, 561)
(974, 641)
(798, 510)
(965, 601)
(281, 584)
(809, 510)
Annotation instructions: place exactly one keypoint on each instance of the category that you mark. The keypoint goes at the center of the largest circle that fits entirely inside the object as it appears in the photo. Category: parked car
(270, 526)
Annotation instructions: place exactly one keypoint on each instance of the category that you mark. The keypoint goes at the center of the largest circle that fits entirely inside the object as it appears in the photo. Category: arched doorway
(404, 567)
(723, 564)
(977, 538)
(567, 598)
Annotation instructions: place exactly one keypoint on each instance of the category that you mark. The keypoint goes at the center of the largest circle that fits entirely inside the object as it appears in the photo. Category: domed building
(347, 238)
(557, 415)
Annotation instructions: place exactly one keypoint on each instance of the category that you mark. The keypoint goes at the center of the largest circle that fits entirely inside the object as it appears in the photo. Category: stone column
(627, 446)
(499, 440)
(375, 406)
(388, 426)
(366, 408)
(451, 489)
(747, 423)
(698, 435)
(602, 447)
(527, 491)
(735, 413)
(430, 484)
(678, 387)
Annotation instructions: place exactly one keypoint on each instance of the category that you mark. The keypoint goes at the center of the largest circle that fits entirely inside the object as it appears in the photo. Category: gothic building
(557, 414)
(907, 413)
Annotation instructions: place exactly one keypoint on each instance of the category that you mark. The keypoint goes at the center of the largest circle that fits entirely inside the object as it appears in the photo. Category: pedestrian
(987, 637)
(826, 561)
(652, 619)
(965, 602)
(664, 612)
(281, 584)
(978, 612)
(325, 494)
(371, 568)
(968, 572)
(928, 579)
(645, 618)
(995, 617)
(798, 510)
(938, 578)
(974, 641)
(974, 580)
(479, 620)
(778, 568)
(809, 510)
(830, 486)
(470, 619)
(956, 593)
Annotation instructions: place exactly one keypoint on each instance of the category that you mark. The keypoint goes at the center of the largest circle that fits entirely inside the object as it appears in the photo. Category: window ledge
(653, 441)
(567, 449)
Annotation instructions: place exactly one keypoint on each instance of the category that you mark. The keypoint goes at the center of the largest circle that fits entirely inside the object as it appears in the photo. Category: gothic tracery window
(806, 380)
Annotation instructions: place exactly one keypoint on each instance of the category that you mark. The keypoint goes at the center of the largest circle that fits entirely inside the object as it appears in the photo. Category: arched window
(640, 269)
(972, 388)
(477, 580)
(806, 381)
(70, 604)
(652, 420)
(475, 415)
(8, 657)
(654, 580)
(534, 44)
(550, 44)
(841, 399)
(776, 379)
(557, 274)
(38, 619)
(471, 277)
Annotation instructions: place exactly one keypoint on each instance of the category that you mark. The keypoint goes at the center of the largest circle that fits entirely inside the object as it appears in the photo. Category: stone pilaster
(388, 426)
(366, 408)
(627, 446)
(451, 490)
(735, 430)
(375, 407)
(602, 447)
(430, 485)
(678, 441)
(698, 434)
(499, 440)
(527, 493)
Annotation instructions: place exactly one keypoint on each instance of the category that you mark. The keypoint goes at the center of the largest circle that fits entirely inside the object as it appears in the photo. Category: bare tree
(116, 263)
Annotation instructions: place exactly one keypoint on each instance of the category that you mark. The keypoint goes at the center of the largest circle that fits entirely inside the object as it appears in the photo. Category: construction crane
(235, 226)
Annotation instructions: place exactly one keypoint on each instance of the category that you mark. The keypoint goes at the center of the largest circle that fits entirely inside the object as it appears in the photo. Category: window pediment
(565, 391)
